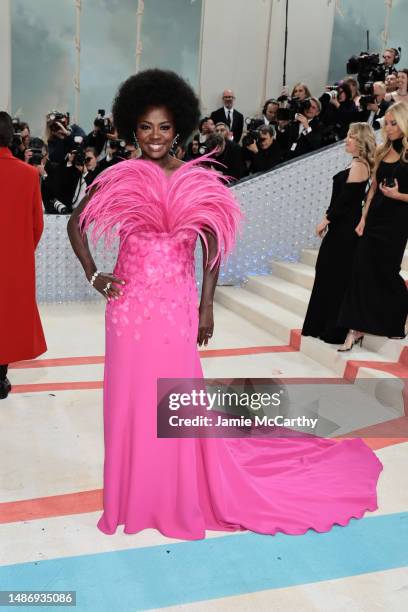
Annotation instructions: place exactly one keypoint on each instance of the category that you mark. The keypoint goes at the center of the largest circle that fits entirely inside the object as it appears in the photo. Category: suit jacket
(364, 115)
(305, 143)
(237, 121)
(21, 226)
(232, 158)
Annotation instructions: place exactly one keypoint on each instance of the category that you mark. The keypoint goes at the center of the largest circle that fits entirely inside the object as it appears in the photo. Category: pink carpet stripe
(91, 501)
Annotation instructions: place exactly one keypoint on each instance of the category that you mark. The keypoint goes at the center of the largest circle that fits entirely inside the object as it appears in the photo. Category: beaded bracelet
(95, 275)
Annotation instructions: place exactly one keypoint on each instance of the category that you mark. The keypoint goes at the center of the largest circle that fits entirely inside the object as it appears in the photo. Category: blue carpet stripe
(159, 576)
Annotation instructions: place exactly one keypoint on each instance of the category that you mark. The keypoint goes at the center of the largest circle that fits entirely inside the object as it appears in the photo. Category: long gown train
(184, 486)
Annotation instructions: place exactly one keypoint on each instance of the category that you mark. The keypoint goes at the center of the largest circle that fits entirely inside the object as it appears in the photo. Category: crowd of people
(293, 124)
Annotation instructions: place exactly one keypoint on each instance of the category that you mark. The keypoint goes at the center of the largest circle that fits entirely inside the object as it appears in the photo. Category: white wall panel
(243, 48)
(5, 56)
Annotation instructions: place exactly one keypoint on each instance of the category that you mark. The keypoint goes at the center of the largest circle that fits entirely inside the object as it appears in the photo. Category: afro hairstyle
(155, 87)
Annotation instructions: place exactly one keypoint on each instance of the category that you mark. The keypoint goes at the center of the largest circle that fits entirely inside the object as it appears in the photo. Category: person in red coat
(21, 226)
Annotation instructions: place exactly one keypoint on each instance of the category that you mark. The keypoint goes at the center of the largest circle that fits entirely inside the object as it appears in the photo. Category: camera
(291, 107)
(251, 123)
(17, 139)
(59, 207)
(251, 137)
(78, 152)
(55, 117)
(119, 152)
(103, 123)
(363, 65)
(368, 96)
(36, 147)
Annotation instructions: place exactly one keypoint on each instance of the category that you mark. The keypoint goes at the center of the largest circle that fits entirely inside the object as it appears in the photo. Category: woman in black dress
(334, 262)
(376, 301)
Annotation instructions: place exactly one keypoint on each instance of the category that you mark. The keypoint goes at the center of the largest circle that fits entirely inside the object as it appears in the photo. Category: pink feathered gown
(183, 486)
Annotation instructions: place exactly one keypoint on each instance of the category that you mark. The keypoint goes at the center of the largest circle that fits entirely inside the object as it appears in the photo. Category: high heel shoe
(351, 340)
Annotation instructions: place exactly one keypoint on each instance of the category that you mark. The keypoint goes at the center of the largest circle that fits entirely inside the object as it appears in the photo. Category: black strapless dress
(335, 260)
(377, 298)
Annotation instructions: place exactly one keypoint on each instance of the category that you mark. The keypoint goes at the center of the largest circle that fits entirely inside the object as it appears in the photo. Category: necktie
(229, 119)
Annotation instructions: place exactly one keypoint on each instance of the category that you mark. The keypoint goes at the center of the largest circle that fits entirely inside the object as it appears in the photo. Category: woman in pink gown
(183, 486)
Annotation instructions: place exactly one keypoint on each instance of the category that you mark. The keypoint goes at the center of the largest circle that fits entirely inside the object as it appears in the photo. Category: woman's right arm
(370, 196)
(79, 243)
(360, 227)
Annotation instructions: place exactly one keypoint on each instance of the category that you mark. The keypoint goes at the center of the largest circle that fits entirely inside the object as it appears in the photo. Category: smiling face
(155, 131)
(391, 127)
(402, 81)
(391, 82)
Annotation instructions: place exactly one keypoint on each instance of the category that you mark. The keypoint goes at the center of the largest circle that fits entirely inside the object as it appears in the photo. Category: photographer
(61, 136)
(49, 175)
(368, 69)
(338, 111)
(269, 115)
(117, 150)
(289, 106)
(391, 57)
(102, 132)
(87, 169)
(300, 92)
(355, 90)
(228, 152)
(373, 105)
(265, 152)
(21, 138)
(304, 134)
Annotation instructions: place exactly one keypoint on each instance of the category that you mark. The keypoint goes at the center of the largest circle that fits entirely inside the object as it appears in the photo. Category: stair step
(309, 257)
(257, 309)
(298, 273)
(279, 291)
(327, 355)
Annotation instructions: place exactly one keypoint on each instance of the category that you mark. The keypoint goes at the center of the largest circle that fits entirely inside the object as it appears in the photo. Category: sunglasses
(88, 159)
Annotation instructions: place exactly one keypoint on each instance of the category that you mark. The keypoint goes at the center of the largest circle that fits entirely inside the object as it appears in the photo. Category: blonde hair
(305, 87)
(400, 112)
(365, 137)
(381, 85)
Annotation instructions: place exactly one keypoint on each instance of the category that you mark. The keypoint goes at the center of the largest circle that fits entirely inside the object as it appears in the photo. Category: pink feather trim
(136, 195)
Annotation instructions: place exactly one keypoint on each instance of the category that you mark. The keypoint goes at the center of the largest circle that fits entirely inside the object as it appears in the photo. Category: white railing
(282, 208)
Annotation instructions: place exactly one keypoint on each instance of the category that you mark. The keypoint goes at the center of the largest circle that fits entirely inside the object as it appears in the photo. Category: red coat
(21, 226)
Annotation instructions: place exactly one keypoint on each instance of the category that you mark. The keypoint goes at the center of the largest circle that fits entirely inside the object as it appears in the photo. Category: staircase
(278, 303)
